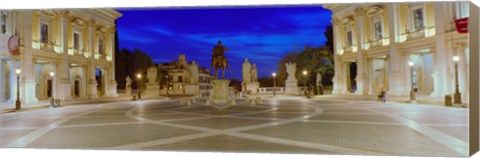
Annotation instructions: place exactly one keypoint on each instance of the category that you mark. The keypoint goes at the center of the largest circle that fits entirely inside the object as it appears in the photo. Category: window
(350, 38)
(100, 45)
(76, 41)
(44, 33)
(418, 19)
(461, 10)
(180, 79)
(3, 21)
(378, 30)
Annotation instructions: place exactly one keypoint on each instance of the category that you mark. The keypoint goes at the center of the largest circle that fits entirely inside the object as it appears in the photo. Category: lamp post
(52, 74)
(18, 104)
(305, 80)
(274, 84)
(457, 97)
(139, 76)
(412, 90)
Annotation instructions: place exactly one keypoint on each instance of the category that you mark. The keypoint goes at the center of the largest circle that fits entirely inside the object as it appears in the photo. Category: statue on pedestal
(219, 60)
(291, 68)
(291, 86)
(246, 71)
(128, 83)
(319, 84)
(254, 73)
(152, 75)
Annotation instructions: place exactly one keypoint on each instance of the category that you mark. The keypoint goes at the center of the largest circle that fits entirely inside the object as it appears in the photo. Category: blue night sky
(261, 34)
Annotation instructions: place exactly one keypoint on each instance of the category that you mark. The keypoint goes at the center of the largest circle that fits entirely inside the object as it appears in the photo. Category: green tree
(130, 63)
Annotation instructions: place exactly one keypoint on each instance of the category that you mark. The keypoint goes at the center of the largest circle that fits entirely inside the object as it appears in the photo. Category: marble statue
(193, 69)
(291, 86)
(246, 71)
(291, 68)
(254, 73)
(128, 83)
(319, 79)
(152, 75)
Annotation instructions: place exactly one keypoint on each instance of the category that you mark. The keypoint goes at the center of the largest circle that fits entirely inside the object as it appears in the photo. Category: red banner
(462, 25)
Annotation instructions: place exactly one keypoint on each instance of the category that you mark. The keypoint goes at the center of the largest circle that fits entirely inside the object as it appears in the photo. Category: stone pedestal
(252, 87)
(219, 93)
(128, 91)
(291, 87)
(152, 89)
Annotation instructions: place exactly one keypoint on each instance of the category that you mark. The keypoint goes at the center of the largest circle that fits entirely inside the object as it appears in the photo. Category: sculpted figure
(319, 79)
(128, 83)
(219, 60)
(254, 73)
(152, 75)
(291, 68)
(246, 71)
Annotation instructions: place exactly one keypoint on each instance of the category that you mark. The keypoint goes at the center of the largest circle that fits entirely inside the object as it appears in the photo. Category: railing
(416, 35)
(267, 90)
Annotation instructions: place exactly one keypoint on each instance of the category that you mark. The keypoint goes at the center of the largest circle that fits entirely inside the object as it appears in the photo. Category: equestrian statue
(219, 60)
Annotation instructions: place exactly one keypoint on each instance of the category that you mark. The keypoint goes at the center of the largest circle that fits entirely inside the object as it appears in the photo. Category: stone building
(186, 78)
(65, 54)
(380, 39)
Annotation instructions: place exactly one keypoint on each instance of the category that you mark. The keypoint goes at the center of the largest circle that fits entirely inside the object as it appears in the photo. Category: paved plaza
(321, 125)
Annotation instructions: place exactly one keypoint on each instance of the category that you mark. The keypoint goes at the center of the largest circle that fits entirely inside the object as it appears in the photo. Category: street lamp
(18, 104)
(274, 84)
(53, 81)
(412, 91)
(457, 97)
(305, 80)
(139, 76)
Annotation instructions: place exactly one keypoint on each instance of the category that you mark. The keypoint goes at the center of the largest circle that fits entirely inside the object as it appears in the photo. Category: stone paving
(319, 125)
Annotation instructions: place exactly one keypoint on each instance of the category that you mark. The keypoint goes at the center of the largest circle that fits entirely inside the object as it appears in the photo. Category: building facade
(186, 78)
(64, 54)
(380, 40)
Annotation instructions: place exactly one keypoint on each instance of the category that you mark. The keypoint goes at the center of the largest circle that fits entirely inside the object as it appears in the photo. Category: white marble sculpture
(319, 79)
(291, 68)
(254, 73)
(128, 83)
(152, 75)
(246, 71)
(291, 86)
(193, 69)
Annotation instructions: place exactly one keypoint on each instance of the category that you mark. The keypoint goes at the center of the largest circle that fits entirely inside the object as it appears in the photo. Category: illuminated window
(76, 41)
(350, 38)
(461, 9)
(44, 33)
(418, 19)
(378, 30)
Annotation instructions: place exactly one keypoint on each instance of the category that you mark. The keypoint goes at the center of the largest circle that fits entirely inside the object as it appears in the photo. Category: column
(27, 85)
(440, 85)
(463, 72)
(338, 85)
(361, 76)
(2, 81)
(91, 82)
(395, 86)
(112, 83)
(13, 82)
(83, 82)
(368, 79)
(65, 84)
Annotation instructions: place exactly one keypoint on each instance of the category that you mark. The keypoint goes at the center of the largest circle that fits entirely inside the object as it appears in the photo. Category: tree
(130, 64)
(236, 83)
